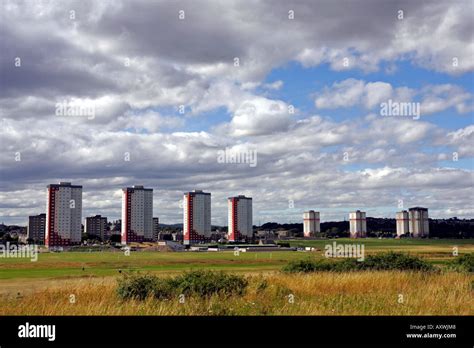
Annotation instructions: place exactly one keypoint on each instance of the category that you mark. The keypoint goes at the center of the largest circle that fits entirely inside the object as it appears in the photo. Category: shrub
(136, 286)
(384, 261)
(163, 289)
(206, 283)
(323, 265)
(300, 266)
(201, 283)
(464, 263)
(346, 265)
(396, 261)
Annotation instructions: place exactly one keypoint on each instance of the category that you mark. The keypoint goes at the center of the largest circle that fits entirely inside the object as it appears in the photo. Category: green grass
(65, 264)
(108, 263)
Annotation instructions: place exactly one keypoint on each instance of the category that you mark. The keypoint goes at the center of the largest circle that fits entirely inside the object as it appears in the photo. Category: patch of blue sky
(461, 163)
(302, 84)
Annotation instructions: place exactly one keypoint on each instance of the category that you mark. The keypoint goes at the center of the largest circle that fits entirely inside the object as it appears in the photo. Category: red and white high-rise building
(311, 223)
(137, 214)
(196, 217)
(63, 214)
(240, 218)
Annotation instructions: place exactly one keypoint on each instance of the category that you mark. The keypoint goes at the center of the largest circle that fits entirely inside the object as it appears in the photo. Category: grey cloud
(190, 62)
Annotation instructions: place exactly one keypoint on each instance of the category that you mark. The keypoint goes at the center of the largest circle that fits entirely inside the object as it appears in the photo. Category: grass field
(44, 287)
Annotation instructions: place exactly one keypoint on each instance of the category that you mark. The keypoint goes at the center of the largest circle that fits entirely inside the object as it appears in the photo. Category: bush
(396, 261)
(163, 289)
(201, 283)
(323, 265)
(300, 266)
(136, 286)
(346, 265)
(384, 261)
(206, 283)
(464, 263)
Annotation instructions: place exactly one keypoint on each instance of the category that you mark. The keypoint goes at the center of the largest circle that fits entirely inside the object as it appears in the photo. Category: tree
(115, 238)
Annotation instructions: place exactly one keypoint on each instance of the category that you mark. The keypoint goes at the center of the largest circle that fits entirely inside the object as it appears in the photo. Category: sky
(109, 94)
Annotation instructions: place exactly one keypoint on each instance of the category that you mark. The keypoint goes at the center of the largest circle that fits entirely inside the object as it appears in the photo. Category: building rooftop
(138, 187)
(418, 208)
(64, 184)
(240, 197)
(199, 192)
(39, 215)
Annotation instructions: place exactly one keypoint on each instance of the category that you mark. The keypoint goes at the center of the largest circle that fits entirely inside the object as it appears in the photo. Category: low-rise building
(96, 226)
(36, 228)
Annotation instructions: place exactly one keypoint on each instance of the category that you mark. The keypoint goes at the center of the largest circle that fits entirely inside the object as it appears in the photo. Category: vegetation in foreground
(207, 283)
(375, 291)
(199, 283)
(320, 293)
(383, 261)
(464, 263)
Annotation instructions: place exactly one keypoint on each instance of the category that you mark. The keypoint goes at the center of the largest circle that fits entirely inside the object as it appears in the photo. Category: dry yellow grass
(364, 293)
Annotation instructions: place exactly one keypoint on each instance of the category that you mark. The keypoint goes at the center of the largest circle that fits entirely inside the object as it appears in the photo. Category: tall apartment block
(196, 217)
(418, 222)
(63, 214)
(156, 228)
(402, 222)
(96, 226)
(358, 224)
(311, 223)
(137, 214)
(240, 218)
(36, 228)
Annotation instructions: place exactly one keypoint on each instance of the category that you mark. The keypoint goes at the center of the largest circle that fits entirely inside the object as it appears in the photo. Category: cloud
(308, 157)
(260, 116)
(137, 62)
(103, 35)
(436, 98)
(147, 122)
(274, 85)
(433, 98)
(353, 92)
(463, 140)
